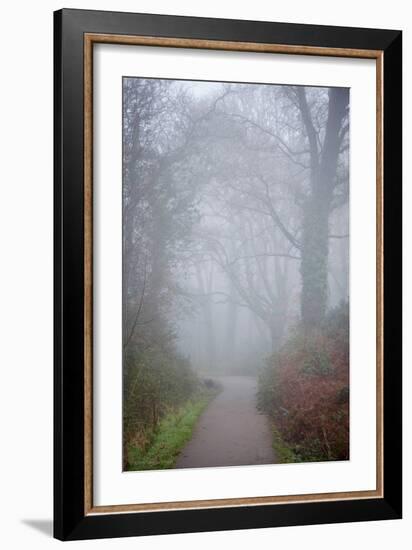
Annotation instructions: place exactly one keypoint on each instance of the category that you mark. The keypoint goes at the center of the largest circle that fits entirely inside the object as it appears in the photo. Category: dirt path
(230, 432)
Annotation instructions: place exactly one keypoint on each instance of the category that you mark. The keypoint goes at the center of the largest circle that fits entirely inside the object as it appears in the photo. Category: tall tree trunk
(314, 262)
(231, 327)
(315, 245)
(210, 340)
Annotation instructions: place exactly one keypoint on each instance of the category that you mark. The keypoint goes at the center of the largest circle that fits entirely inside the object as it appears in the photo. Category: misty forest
(235, 274)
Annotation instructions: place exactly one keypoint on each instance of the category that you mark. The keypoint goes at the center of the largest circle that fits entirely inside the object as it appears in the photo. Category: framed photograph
(227, 274)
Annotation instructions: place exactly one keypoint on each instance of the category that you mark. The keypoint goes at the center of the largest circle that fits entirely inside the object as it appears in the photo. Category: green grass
(174, 431)
(284, 453)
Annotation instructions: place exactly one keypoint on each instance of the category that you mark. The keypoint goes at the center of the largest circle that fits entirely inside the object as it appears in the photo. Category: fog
(235, 217)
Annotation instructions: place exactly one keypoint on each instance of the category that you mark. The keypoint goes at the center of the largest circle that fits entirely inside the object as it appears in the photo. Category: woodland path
(231, 431)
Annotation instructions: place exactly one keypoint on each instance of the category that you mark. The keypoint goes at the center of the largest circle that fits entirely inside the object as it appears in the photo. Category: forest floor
(231, 431)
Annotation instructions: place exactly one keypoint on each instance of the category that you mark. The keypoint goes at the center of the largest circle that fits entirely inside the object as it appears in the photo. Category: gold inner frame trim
(89, 40)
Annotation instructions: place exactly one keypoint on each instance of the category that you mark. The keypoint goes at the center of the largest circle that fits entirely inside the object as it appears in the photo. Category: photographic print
(227, 274)
(235, 274)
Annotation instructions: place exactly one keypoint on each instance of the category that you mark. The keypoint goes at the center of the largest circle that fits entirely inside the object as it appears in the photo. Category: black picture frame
(70, 520)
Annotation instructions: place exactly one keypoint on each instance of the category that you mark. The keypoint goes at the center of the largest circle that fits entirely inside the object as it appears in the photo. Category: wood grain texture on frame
(89, 40)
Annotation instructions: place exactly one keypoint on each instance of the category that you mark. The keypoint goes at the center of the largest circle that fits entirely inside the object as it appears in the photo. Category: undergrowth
(305, 390)
(171, 435)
